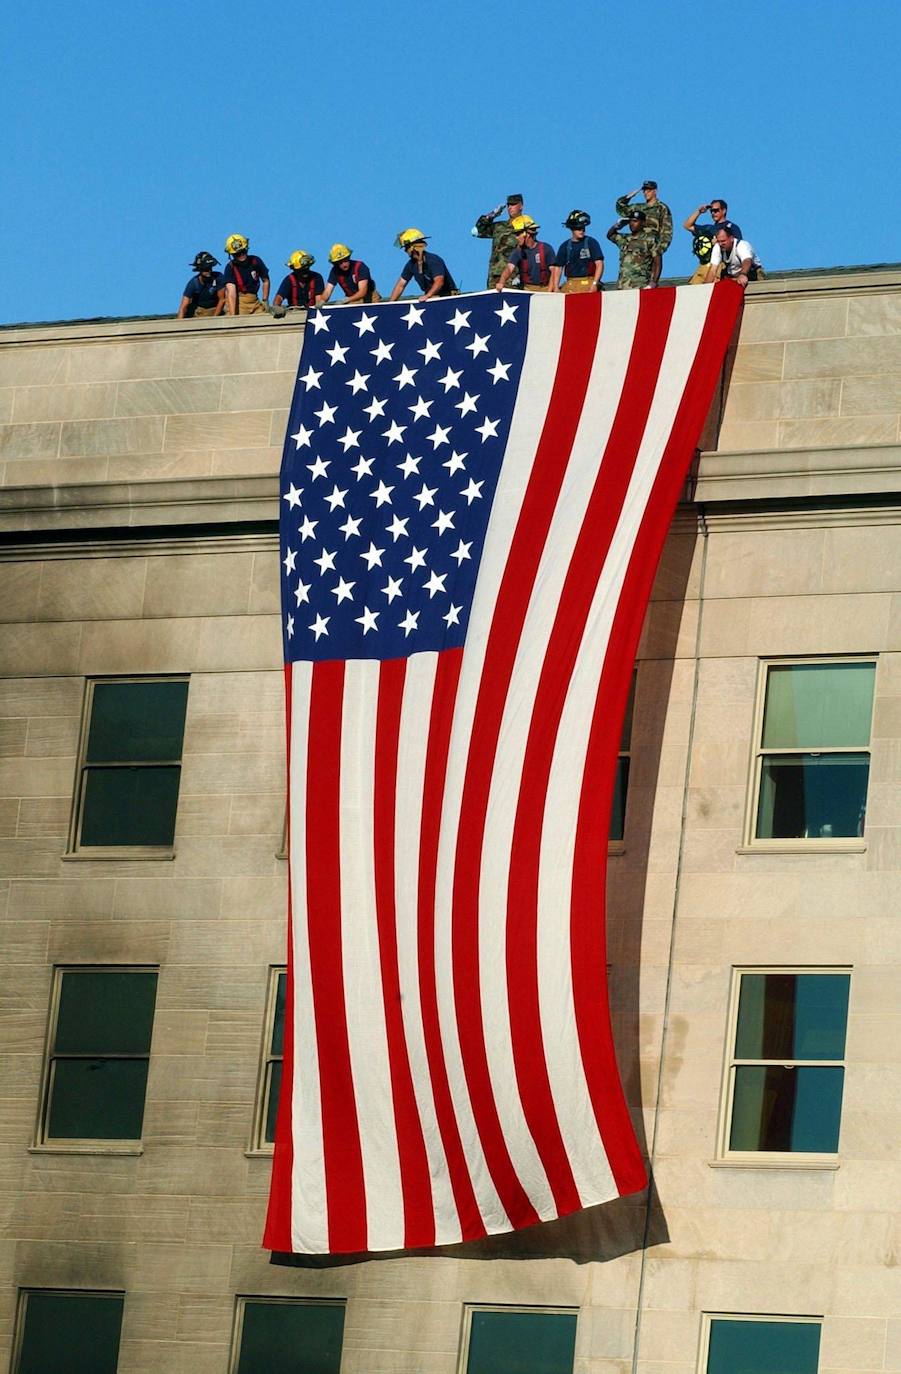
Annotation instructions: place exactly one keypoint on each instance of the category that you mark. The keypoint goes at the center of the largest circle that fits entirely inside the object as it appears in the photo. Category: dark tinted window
(67, 1333)
(521, 1342)
(291, 1337)
(762, 1347)
(137, 721)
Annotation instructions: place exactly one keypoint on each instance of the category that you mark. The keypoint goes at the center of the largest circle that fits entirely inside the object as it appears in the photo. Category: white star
(420, 411)
(327, 414)
(507, 313)
(381, 495)
(301, 592)
(337, 353)
(431, 350)
(500, 371)
(290, 627)
(311, 378)
(410, 465)
(405, 376)
(416, 559)
(460, 320)
(455, 462)
(394, 433)
(343, 590)
(358, 381)
(453, 616)
(466, 405)
(473, 491)
(393, 588)
(425, 497)
(290, 560)
(444, 522)
(461, 552)
(320, 626)
(450, 379)
(478, 345)
(350, 438)
(292, 496)
(408, 623)
(372, 557)
(375, 407)
(319, 468)
(318, 321)
(367, 619)
(365, 324)
(363, 467)
(398, 527)
(335, 497)
(382, 351)
(439, 436)
(302, 437)
(487, 429)
(325, 562)
(352, 525)
(435, 583)
(307, 529)
(413, 316)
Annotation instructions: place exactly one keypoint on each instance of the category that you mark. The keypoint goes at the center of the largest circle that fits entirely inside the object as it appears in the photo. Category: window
(101, 1021)
(518, 1340)
(270, 1079)
(786, 1071)
(621, 784)
(287, 1336)
(129, 765)
(813, 762)
(67, 1333)
(760, 1345)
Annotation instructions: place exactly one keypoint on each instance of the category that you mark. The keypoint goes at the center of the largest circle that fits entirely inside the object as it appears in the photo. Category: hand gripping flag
(475, 494)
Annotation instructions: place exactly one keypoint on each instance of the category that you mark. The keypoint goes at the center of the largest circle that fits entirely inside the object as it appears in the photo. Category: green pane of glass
(291, 1338)
(618, 811)
(130, 806)
(625, 742)
(522, 1343)
(786, 1110)
(97, 1099)
(105, 1013)
(792, 1016)
(70, 1334)
(762, 1347)
(278, 1024)
(818, 705)
(275, 1087)
(813, 796)
(137, 720)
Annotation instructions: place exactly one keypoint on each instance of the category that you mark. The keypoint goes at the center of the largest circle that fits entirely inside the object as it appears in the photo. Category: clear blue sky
(138, 133)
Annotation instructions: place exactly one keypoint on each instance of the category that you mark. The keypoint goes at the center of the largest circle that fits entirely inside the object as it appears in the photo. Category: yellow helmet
(236, 243)
(300, 260)
(338, 252)
(523, 223)
(407, 237)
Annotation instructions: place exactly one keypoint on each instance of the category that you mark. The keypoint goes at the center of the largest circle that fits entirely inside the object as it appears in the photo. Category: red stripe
(419, 1218)
(444, 695)
(277, 1235)
(580, 329)
(590, 858)
(344, 1183)
(590, 552)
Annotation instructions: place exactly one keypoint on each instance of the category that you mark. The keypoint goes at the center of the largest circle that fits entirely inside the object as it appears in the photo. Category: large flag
(475, 494)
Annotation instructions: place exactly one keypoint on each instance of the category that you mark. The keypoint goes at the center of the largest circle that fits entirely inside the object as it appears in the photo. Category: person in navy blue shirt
(430, 271)
(580, 258)
(244, 276)
(534, 260)
(301, 288)
(352, 275)
(205, 292)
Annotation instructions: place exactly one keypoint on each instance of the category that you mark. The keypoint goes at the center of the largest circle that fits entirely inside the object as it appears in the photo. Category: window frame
(258, 1143)
(771, 1159)
(82, 1144)
(74, 848)
(708, 1318)
(751, 842)
(274, 1300)
(619, 846)
(551, 1309)
(22, 1305)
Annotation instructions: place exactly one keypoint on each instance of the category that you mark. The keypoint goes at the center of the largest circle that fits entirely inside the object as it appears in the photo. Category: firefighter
(301, 288)
(205, 292)
(352, 275)
(244, 276)
(430, 271)
(581, 257)
(535, 260)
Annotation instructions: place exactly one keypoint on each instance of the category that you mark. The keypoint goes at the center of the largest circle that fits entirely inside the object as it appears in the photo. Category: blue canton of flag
(397, 433)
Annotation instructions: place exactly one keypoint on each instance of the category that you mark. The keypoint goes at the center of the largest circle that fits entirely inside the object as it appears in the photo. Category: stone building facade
(138, 510)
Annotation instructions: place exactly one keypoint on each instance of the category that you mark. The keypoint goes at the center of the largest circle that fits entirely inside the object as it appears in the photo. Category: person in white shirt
(738, 259)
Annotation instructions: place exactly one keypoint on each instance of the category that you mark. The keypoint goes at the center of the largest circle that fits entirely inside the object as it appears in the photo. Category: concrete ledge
(815, 472)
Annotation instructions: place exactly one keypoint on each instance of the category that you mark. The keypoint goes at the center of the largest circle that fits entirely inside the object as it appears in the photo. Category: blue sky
(139, 133)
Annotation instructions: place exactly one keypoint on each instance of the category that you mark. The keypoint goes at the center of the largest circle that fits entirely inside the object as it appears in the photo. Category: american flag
(475, 493)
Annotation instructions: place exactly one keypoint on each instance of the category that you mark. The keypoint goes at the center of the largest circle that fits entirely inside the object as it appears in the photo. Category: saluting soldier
(638, 256)
(657, 216)
(502, 235)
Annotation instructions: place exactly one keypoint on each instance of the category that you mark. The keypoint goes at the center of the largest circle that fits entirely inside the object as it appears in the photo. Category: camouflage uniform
(657, 218)
(636, 257)
(503, 241)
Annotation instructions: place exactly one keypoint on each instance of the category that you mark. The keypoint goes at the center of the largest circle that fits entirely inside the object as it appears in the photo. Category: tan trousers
(574, 285)
(206, 311)
(250, 305)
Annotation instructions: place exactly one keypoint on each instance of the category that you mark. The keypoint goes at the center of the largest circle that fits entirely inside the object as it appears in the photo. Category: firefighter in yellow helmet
(534, 259)
(430, 271)
(352, 275)
(244, 276)
(301, 288)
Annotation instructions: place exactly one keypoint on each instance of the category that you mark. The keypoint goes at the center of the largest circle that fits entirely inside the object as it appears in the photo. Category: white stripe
(309, 1214)
(364, 1003)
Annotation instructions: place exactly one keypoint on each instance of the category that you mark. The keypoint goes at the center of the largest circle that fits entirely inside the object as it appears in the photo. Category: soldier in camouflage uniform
(658, 219)
(637, 251)
(503, 239)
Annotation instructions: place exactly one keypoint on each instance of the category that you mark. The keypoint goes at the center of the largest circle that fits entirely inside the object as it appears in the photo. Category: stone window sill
(122, 855)
(809, 1162)
(108, 1147)
(804, 847)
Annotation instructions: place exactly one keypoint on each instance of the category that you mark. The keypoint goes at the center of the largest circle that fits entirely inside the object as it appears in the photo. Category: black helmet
(203, 261)
(577, 219)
